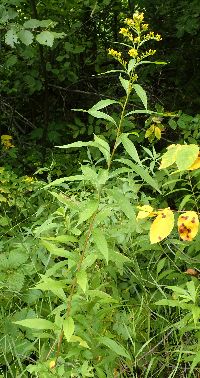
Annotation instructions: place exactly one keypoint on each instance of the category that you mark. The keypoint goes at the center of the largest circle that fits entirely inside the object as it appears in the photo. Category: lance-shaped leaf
(141, 94)
(68, 327)
(188, 225)
(162, 225)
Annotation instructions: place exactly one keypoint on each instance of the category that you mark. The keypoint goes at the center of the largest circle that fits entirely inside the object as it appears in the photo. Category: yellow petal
(162, 225)
(195, 165)
(188, 225)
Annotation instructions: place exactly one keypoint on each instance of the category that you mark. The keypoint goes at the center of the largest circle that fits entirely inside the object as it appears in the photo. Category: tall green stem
(120, 125)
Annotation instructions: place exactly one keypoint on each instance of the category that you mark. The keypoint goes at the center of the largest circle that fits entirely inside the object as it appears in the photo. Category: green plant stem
(74, 284)
(119, 127)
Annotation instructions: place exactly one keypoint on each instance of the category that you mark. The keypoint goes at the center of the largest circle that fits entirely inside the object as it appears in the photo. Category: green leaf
(114, 346)
(82, 280)
(77, 339)
(76, 145)
(103, 104)
(101, 242)
(45, 38)
(125, 84)
(88, 210)
(54, 250)
(68, 327)
(36, 323)
(98, 114)
(186, 155)
(26, 37)
(141, 94)
(139, 112)
(130, 148)
(143, 173)
(131, 65)
(31, 24)
(11, 38)
(103, 146)
(124, 204)
(60, 181)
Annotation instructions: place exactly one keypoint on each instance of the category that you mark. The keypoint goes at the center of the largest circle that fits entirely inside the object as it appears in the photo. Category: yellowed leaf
(188, 225)
(157, 132)
(195, 165)
(162, 225)
(169, 157)
(145, 212)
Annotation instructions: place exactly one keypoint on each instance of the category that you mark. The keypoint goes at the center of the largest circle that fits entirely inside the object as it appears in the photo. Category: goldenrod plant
(96, 309)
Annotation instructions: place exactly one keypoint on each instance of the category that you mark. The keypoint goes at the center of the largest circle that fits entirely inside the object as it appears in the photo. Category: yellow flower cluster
(6, 141)
(117, 55)
(133, 53)
(147, 53)
(152, 35)
(136, 32)
(125, 32)
(29, 179)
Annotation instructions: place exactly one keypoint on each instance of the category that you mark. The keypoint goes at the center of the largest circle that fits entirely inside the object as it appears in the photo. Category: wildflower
(6, 141)
(125, 32)
(117, 55)
(133, 53)
(145, 27)
(29, 179)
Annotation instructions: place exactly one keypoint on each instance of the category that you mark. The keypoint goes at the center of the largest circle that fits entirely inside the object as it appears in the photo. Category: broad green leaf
(101, 243)
(26, 37)
(55, 286)
(125, 84)
(130, 148)
(82, 279)
(36, 323)
(45, 38)
(32, 24)
(131, 65)
(54, 250)
(141, 94)
(98, 114)
(90, 207)
(11, 38)
(186, 156)
(68, 327)
(103, 104)
(89, 260)
(114, 346)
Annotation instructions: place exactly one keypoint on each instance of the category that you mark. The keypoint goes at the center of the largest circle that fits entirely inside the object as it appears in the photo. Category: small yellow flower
(29, 179)
(125, 32)
(6, 141)
(133, 53)
(145, 27)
